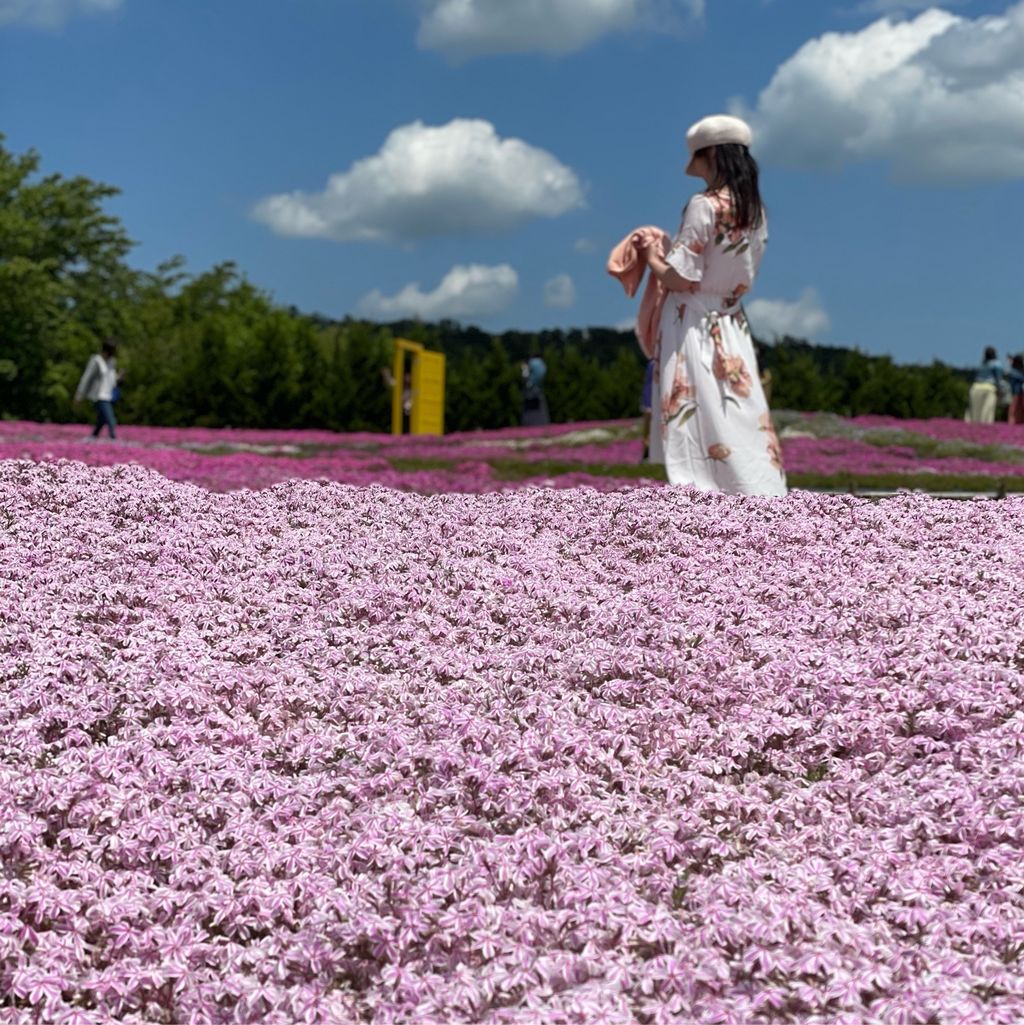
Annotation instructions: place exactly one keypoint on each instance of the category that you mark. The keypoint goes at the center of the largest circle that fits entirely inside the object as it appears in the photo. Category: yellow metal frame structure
(427, 413)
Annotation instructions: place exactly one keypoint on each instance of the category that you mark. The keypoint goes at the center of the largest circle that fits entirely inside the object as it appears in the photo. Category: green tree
(212, 349)
(63, 282)
(620, 385)
(483, 389)
(366, 349)
(314, 400)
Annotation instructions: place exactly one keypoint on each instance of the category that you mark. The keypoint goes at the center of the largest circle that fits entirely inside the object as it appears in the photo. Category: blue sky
(477, 158)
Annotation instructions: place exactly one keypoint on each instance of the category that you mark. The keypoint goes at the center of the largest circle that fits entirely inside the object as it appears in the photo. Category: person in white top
(98, 384)
(713, 430)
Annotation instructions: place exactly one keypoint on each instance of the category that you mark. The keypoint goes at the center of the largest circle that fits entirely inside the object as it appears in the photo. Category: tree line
(210, 349)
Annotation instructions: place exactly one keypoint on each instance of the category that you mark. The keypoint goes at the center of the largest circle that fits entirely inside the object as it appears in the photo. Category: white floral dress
(715, 429)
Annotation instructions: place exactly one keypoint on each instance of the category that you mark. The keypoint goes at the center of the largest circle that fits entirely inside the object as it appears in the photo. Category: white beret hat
(716, 130)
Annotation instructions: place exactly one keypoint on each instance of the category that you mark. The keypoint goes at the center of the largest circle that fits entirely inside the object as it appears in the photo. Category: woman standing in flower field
(715, 430)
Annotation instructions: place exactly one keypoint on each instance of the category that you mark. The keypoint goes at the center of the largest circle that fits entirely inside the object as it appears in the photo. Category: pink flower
(537, 756)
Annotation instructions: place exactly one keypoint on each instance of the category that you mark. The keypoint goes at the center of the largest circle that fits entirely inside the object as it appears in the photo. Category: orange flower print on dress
(681, 312)
(730, 369)
(733, 371)
(735, 295)
(725, 223)
(765, 424)
(719, 452)
(679, 402)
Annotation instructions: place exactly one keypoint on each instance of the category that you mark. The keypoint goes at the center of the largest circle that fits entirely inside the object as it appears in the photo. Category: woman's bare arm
(670, 278)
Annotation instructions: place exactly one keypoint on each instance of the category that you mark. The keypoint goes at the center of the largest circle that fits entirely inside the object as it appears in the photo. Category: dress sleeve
(686, 256)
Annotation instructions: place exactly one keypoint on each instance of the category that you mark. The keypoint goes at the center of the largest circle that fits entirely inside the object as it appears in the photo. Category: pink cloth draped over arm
(628, 263)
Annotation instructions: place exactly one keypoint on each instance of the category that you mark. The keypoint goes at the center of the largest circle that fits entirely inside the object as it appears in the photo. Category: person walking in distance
(98, 384)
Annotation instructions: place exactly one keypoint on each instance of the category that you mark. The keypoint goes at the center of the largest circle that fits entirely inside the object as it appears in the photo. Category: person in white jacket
(97, 385)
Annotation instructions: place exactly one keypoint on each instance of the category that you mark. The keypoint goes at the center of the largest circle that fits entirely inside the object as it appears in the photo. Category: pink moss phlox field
(20, 430)
(326, 754)
(850, 456)
(949, 430)
(228, 460)
(233, 471)
(225, 460)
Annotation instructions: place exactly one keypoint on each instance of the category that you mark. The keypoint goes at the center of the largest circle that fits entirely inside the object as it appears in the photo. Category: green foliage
(213, 350)
(851, 383)
(482, 388)
(63, 280)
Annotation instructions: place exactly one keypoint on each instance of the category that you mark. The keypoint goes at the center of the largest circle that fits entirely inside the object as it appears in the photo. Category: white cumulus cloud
(470, 291)
(939, 96)
(559, 292)
(50, 13)
(464, 29)
(451, 179)
(902, 6)
(804, 318)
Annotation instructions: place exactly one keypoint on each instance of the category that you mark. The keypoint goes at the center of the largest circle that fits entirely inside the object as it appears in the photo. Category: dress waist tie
(712, 308)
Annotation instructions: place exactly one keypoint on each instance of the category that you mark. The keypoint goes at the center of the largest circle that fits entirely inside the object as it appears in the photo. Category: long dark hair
(736, 170)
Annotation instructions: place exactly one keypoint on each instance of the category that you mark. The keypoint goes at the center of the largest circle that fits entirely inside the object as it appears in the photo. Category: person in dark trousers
(535, 405)
(98, 385)
(645, 409)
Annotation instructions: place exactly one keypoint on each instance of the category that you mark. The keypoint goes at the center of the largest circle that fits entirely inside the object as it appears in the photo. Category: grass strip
(907, 481)
(519, 469)
(407, 464)
(510, 469)
(934, 448)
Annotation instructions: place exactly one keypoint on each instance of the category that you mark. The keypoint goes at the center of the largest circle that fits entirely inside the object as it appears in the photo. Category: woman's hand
(644, 242)
(670, 278)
